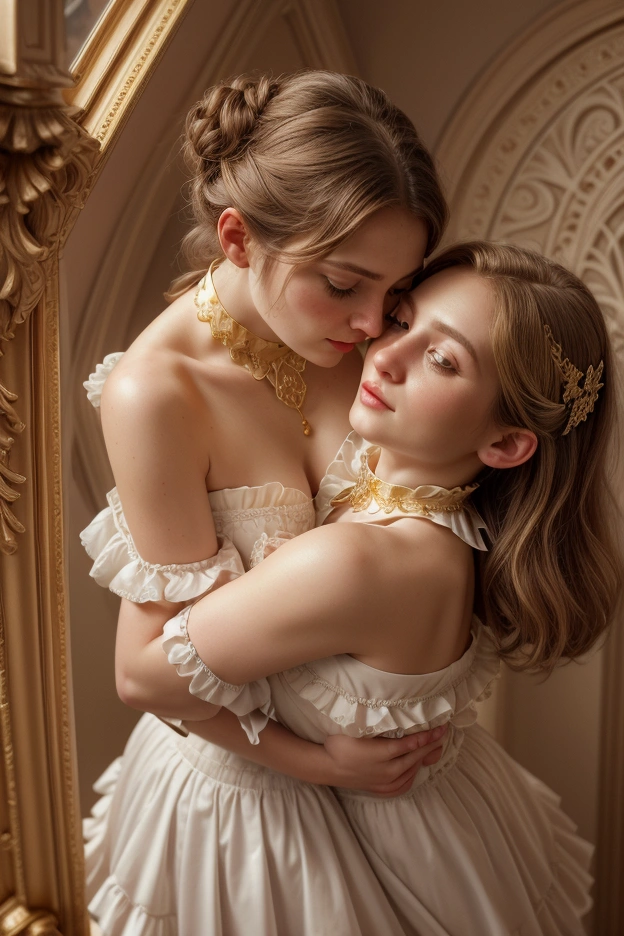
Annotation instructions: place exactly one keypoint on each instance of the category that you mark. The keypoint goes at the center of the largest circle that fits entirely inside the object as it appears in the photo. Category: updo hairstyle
(306, 157)
(549, 582)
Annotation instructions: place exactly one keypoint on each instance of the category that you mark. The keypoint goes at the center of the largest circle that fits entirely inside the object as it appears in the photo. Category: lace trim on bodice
(297, 513)
(448, 695)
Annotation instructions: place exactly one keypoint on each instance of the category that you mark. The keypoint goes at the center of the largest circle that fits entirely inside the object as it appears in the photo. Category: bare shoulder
(148, 379)
(375, 557)
(338, 551)
(154, 382)
(156, 426)
(419, 580)
(332, 564)
(437, 553)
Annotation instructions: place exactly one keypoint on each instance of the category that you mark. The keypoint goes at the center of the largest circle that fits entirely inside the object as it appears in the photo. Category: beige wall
(424, 56)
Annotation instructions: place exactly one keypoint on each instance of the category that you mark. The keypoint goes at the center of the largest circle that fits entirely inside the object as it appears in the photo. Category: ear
(514, 448)
(233, 237)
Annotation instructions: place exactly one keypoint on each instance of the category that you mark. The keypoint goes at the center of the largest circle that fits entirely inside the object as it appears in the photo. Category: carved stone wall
(546, 171)
(553, 176)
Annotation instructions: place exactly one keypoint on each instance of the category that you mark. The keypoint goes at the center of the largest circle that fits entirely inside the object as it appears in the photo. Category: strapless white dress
(191, 840)
(187, 838)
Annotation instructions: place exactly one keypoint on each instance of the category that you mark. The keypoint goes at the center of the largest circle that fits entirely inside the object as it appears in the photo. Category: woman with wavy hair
(487, 408)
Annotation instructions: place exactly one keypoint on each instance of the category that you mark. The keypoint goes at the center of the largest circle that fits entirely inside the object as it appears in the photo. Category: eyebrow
(360, 271)
(453, 333)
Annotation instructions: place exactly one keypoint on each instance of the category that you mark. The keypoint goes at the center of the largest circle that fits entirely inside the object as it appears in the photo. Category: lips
(343, 346)
(371, 396)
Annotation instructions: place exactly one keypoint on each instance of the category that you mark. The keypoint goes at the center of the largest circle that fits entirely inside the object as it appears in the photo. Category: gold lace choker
(271, 359)
(421, 501)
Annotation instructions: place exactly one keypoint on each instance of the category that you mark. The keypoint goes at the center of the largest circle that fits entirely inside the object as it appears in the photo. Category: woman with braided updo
(315, 204)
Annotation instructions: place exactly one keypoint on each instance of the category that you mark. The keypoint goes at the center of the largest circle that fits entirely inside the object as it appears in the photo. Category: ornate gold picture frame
(56, 130)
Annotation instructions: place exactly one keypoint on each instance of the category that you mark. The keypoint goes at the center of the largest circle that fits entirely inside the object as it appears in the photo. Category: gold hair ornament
(422, 500)
(580, 400)
(281, 366)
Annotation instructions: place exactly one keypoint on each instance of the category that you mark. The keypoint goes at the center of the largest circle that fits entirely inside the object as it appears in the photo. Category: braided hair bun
(305, 159)
(221, 125)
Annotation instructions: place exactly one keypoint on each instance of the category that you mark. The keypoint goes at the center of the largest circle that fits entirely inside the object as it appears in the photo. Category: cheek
(451, 412)
(314, 305)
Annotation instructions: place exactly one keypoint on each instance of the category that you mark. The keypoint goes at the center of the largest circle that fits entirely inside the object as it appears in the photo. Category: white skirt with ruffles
(189, 840)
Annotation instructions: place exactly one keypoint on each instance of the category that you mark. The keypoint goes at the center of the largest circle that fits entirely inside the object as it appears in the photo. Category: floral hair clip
(580, 400)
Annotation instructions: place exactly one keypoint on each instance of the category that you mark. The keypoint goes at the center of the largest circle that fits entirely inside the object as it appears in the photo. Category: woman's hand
(383, 766)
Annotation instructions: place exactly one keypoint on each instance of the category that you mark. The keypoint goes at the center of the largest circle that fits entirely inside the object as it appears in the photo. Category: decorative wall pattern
(546, 171)
(551, 176)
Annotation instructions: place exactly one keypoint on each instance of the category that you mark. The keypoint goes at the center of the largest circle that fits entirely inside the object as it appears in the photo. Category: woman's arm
(330, 591)
(383, 766)
(153, 429)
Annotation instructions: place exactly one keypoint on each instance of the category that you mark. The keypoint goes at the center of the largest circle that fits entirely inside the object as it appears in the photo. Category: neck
(396, 468)
(233, 286)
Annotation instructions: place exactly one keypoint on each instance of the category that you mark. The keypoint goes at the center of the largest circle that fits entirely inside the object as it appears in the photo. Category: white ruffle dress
(189, 839)
(478, 846)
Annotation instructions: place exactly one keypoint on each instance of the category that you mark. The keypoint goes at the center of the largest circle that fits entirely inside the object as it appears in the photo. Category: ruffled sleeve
(118, 566)
(95, 384)
(251, 702)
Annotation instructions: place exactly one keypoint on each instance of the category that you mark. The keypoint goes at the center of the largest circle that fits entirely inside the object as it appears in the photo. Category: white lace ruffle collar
(465, 523)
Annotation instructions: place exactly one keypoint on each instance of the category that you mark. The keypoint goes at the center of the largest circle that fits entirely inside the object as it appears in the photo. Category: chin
(322, 357)
(363, 421)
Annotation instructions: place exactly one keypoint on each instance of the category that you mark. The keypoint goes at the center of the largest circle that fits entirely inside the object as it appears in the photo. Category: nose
(369, 320)
(387, 360)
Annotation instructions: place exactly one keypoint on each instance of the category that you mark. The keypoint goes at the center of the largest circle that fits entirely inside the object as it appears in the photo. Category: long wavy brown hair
(306, 159)
(550, 580)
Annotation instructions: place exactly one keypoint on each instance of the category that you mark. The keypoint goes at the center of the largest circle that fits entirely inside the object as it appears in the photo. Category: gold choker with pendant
(281, 366)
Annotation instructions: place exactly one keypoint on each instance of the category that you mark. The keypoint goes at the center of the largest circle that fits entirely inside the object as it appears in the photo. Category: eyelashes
(338, 293)
(343, 293)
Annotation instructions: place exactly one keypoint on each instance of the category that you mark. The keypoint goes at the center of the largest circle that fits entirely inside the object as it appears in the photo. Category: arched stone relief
(546, 171)
(566, 196)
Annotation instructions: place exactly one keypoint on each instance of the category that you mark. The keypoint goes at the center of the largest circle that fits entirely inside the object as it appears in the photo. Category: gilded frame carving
(55, 133)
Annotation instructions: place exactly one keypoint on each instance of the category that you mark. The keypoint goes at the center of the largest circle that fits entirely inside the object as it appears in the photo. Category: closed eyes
(336, 291)
(339, 293)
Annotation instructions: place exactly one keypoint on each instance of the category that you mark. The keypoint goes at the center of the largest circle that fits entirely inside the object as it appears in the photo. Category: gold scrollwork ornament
(15, 918)
(46, 160)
